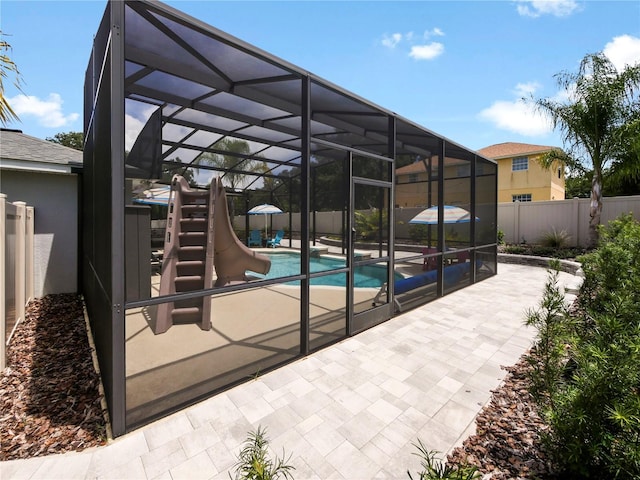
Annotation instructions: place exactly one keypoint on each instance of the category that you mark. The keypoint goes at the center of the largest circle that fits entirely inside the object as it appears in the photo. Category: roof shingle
(510, 149)
(16, 146)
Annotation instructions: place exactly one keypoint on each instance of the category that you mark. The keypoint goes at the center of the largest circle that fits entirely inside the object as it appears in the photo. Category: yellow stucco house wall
(520, 175)
(412, 184)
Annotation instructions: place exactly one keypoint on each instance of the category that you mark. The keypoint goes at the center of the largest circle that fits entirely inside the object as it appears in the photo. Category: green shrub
(500, 237)
(548, 358)
(541, 251)
(419, 232)
(515, 249)
(588, 380)
(555, 239)
(368, 225)
(434, 469)
(614, 267)
(254, 462)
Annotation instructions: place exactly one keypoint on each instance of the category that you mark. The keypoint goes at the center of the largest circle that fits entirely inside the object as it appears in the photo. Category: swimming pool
(288, 263)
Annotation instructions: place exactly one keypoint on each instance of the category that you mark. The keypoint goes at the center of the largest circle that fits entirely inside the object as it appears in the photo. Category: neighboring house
(45, 175)
(412, 183)
(415, 188)
(520, 175)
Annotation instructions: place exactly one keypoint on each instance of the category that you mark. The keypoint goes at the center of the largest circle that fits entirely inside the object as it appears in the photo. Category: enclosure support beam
(304, 214)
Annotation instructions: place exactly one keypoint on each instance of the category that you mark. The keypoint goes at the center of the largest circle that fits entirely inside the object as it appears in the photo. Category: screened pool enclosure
(188, 291)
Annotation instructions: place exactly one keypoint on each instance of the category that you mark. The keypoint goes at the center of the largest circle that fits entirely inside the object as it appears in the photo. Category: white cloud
(392, 40)
(427, 52)
(622, 51)
(536, 8)
(135, 119)
(526, 89)
(436, 32)
(132, 128)
(517, 115)
(47, 112)
(419, 52)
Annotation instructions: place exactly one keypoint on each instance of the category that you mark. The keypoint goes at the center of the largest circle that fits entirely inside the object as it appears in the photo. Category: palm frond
(7, 67)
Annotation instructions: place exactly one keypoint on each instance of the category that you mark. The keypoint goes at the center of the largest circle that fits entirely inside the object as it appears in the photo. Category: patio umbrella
(265, 209)
(155, 196)
(452, 214)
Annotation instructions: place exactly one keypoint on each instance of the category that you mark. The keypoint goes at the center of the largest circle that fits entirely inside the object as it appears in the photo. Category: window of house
(413, 177)
(464, 170)
(559, 172)
(520, 163)
(521, 197)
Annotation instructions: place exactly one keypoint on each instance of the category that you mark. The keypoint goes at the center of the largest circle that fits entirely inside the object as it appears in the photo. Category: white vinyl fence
(529, 221)
(520, 221)
(16, 267)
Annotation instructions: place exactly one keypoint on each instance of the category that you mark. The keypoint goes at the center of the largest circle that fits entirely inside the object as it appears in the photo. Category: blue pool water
(286, 264)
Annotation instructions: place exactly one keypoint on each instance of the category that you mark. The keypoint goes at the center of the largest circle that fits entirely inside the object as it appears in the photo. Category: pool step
(316, 251)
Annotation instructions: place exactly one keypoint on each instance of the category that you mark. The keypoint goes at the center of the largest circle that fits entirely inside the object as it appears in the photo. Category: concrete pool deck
(350, 411)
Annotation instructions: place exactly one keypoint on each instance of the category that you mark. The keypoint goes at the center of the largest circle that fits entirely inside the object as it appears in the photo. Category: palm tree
(7, 66)
(598, 122)
(237, 164)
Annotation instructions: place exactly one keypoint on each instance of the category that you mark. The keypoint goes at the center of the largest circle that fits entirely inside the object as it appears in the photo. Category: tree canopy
(235, 160)
(600, 124)
(70, 139)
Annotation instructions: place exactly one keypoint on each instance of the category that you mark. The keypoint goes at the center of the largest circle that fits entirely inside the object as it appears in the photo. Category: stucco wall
(542, 184)
(55, 201)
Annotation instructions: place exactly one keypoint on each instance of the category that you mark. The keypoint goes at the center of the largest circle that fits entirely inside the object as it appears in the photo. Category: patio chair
(429, 263)
(255, 238)
(462, 257)
(275, 241)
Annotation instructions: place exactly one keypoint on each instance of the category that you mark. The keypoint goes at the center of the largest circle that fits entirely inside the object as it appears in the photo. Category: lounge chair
(255, 238)
(275, 241)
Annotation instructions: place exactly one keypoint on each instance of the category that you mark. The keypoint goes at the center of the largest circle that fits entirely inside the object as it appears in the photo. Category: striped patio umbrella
(155, 196)
(452, 214)
(265, 209)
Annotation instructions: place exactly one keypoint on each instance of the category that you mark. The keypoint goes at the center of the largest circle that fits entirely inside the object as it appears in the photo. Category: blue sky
(458, 68)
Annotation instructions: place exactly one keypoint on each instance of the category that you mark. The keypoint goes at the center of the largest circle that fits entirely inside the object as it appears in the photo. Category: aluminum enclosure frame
(209, 85)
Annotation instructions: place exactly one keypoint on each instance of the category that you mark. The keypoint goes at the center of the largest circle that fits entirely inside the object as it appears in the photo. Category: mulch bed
(508, 443)
(49, 392)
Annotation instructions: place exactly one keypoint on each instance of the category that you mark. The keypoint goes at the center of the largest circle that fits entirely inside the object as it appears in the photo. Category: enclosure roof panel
(205, 80)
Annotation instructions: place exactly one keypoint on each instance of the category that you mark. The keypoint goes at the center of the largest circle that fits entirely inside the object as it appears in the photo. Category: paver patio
(350, 411)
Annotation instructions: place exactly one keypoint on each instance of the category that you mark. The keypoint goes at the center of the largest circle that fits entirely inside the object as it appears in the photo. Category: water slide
(199, 239)
(232, 258)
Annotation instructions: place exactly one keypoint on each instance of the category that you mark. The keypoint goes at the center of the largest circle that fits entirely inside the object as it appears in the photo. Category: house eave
(43, 167)
(522, 154)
